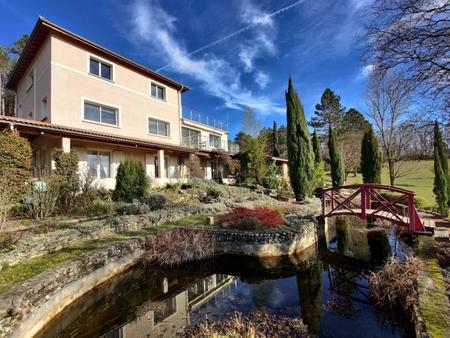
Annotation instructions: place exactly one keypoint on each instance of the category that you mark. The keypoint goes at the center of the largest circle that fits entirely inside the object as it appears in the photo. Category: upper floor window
(158, 91)
(99, 113)
(214, 141)
(158, 127)
(99, 68)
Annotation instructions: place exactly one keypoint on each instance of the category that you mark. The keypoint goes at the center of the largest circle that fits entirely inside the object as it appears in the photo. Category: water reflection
(325, 286)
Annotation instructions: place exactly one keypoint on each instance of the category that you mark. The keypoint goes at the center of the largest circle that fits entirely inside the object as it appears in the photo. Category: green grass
(11, 275)
(419, 177)
(190, 221)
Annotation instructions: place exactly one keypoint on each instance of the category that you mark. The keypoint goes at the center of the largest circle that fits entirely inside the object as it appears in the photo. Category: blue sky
(231, 53)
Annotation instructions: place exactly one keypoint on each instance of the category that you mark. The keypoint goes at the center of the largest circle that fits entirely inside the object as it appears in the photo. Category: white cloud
(365, 71)
(152, 28)
(261, 79)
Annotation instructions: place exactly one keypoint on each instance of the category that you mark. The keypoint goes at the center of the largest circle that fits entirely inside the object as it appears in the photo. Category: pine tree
(370, 158)
(337, 170)
(441, 175)
(276, 150)
(319, 168)
(329, 112)
(300, 155)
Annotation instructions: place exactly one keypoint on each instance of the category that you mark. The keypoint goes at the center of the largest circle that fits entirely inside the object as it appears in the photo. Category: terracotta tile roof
(44, 27)
(55, 129)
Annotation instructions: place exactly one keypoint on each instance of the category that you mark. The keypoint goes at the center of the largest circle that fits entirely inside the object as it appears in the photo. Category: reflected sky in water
(325, 286)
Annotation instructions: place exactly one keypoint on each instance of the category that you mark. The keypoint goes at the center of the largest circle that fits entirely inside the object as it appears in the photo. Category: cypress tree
(337, 170)
(370, 158)
(319, 168)
(276, 150)
(441, 175)
(300, 155)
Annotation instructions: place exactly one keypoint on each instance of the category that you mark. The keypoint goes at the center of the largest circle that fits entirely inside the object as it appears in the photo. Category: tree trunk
(391, 172)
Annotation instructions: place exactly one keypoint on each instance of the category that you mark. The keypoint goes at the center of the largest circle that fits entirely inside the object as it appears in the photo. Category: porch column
(162, 172)
(65, 144)
(285, 171)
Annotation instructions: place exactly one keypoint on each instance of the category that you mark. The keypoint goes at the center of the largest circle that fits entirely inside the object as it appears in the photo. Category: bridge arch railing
(367, 200)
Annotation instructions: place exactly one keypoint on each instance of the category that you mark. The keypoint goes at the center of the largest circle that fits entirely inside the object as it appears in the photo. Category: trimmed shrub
(155, 201)
(131, 181)
(248, 223)
(271, 181)
(15, 162)
(134, 208)
(66, 171)
(266, 217)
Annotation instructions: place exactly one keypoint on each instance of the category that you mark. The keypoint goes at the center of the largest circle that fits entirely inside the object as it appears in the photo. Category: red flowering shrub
(265, 217)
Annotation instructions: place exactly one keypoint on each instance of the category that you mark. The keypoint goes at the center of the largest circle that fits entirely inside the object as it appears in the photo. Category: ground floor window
(99, 163)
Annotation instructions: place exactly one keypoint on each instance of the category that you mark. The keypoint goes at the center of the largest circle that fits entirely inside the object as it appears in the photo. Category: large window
(99, 113)
(158, 127)
(190, 137)
(214, 141)
(158, 91)
(98, 163)
(100, 69)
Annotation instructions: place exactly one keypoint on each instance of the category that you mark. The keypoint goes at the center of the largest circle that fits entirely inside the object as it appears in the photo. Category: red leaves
(267, 217)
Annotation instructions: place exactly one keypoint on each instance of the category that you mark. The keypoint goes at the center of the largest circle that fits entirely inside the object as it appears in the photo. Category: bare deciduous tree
(388, 100)
(414, 36)
(350, 143)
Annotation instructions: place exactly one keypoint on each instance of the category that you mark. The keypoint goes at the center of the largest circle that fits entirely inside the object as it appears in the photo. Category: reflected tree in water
(379, 246)
(309, 284)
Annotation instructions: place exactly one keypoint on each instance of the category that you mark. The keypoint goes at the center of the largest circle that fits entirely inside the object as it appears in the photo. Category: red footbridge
(389, 203)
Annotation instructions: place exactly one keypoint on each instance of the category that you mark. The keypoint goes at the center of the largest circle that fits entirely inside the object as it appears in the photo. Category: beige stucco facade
(57, 83)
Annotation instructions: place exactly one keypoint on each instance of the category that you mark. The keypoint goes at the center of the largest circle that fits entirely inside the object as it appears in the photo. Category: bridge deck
(382, 213)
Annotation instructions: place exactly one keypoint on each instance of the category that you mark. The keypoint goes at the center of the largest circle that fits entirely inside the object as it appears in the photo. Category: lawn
(418, 177)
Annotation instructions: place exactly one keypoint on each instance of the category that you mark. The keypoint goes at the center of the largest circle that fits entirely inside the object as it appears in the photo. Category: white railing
(204, 143)
(198, 117)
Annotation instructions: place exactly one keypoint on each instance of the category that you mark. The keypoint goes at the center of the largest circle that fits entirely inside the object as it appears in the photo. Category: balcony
(192, 115)
(205, 144)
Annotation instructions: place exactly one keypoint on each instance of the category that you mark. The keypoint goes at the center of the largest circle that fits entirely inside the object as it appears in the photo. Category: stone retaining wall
(267, 243)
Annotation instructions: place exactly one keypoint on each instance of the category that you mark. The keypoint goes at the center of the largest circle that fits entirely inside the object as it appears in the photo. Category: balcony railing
(201, 118)
(204, 143)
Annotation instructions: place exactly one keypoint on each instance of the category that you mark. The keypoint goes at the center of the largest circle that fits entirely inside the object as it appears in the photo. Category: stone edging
(29, 306)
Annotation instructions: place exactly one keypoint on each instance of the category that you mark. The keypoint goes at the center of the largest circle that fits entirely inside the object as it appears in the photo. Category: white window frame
(98, 151)
(220, 141)
(158, 85)
(158, 120)
(101, 60)
(100, 103)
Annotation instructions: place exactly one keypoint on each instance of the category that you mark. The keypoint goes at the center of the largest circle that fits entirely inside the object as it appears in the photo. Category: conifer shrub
(131, 182)
(15, 162)
(66, 172)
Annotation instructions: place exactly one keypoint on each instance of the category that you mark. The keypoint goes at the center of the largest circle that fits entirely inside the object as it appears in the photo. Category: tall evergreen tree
(329, 112)
(337, 170)
(300, 155)
(319, 168)
(441, 176)
(276, 150)
(370, 158)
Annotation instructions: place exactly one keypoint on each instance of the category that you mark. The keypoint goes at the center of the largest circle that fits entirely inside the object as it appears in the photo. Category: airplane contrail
(239, 31)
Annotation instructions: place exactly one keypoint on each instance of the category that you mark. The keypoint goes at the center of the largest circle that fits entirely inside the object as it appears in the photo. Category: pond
(325, 287)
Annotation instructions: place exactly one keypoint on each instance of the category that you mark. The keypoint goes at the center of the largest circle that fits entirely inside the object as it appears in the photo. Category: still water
(325, 287)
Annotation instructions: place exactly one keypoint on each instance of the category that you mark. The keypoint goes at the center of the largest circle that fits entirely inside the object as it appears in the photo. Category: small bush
(395, 286)
(100, 207)
(131, 181)
(134, 208)
(6, 198)
(271, 181)
(15, 163)
(155, 201)
(43, 199)
(174, 247)
(248, 223)
(257, 324)
(66, 171)
(266, 217)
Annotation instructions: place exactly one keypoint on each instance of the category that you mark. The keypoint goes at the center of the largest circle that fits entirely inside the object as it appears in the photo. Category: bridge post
(332, 199)
(363, 201)
(412, 219)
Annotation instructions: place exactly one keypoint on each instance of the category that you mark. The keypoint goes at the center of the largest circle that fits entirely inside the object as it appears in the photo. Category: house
(75, 95)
